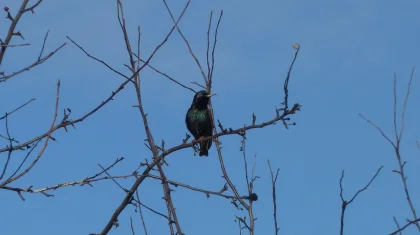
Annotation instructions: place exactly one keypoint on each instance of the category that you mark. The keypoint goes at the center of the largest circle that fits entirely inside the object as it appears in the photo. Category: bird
(199, 122)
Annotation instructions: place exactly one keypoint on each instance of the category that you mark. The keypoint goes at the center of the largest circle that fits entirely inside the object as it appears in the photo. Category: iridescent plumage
(199, 122)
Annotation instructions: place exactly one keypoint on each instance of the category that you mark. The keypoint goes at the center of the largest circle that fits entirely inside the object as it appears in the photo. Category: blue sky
(349, 52)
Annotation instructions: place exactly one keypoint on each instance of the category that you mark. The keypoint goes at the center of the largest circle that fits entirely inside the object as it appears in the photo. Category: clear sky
(349, 52)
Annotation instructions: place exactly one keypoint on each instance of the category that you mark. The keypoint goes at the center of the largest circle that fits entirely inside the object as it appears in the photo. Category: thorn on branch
(254, 118)
(163, 146)
(19, 34)
(225, 187)
(187, 136)
(147, 146)
(20, 195)
(223, 130)
(396, 171)
(236, 204)
(146, 163)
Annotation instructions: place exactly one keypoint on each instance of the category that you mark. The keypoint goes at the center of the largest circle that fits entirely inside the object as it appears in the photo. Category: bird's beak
(210, 95)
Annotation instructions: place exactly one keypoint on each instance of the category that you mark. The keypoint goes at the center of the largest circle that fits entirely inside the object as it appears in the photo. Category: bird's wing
(209, 130)
(190, 126)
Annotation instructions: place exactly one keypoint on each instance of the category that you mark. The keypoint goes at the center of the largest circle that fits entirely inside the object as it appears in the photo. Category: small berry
(6, 9)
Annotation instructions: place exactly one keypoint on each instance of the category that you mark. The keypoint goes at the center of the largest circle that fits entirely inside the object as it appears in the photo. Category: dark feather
(199, 122)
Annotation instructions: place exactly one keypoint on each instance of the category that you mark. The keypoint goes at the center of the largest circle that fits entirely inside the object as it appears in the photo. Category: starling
(199, 122)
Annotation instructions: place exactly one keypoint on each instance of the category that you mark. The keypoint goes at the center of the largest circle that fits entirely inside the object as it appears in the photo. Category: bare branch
(10, 152)
(36, 63)
(129, 195)
(33, 147)
(398, 225)
(405, 226)
(16, 109)
(87, 180)
(45, 144)
(98, 60)
(208, 45)
(131, 225)
(397, 142)
(207, 192)
(346, 203)
(112, 178)
(165, 75)
(273, 184)
(33, 6)
(407, 94)
(210, 76)
(187, 43)
(141, 213)
(12, 27)
(17, 45)
(43, 45)
(103, 103)
(379, 129)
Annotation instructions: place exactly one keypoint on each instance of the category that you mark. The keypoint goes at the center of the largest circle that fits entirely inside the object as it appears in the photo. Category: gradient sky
(349, 52)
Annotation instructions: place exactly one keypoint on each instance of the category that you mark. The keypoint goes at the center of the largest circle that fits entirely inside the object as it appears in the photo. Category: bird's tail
(204, 149)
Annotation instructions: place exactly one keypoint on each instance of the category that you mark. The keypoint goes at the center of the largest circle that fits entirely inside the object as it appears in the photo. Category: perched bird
(199, 122)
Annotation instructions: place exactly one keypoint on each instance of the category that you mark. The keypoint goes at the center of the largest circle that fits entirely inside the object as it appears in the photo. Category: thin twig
(397, 142)
(45, 143)
(214, 47)
(43, 45)
(156, 212)
(165, 75)
(207, 192)
(273, 185)
(16, 109)
(17, 45)
(33, 6)
(131, 225)
(407, 94)
(346, 203)
(36, 63)
(96, 59)
(187, 43)
(379, 129)
(33, 147)
(398, 225)
(169, 202)
(67, 184)
(106, 172)
(249, 185)
(286, 81)
(141, 213)
(405, 226)
(208, 45)
(10, 152)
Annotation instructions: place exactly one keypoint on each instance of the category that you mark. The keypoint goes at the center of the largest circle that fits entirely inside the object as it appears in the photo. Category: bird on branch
(199, 122)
